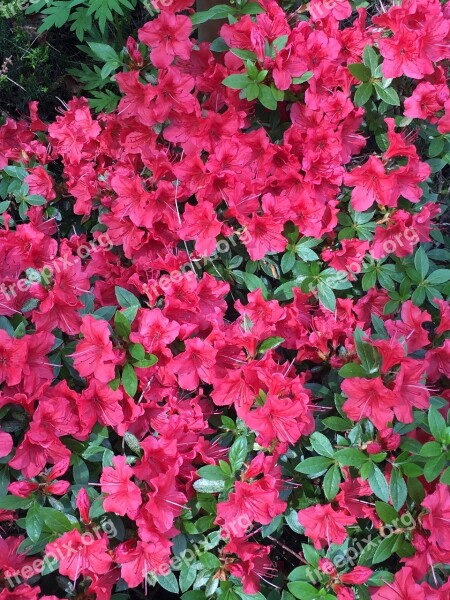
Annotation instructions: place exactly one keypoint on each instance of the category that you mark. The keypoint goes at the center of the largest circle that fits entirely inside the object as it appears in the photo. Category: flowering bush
(224, 333)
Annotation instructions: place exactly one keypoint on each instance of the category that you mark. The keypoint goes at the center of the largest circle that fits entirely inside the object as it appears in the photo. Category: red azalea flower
(437, 521)
(94, 355)
(368, 398)
(253, 564)
(6, 444)
(279, 418)
(139, 559)
(410, 390)
(410, 327)
(13, 352)
(371, 184)
(40, 183)
(123, 497)
(100, 403)
(165, 502)
(79, 554)
(167, 36)
(403, 55)
(403, 588)
(201, 224)
(194, 364)
(324, 525)
(249, 502)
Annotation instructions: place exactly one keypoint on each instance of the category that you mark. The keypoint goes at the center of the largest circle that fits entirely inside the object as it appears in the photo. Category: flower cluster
(260, 354)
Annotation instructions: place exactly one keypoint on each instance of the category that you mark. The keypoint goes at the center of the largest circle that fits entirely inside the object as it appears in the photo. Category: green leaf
(105, 101)
(445, 477)
(434, 467)
(287, 261)
(56, 521)
(130, 313)
(303, 78)
(236, 82)
(212, 473)
(421, 263)
(363, 94)
(122, 325)
(105, 313)
(398, 489)
(126, 298)
(79, 469)
(436, 146)
(16, 172)
(266, 97)
(104, 52)
(208, 487)
(244, 54)
(35, 200)
(431, 449)
(314, 466)
(252, 91)
(137, 351)
(280, 42)
(292, 520)
(250, 281)
(303, 590)
(436, 423)
(378, 484)
(209, 560)
(370, 58)
(366, 470)
(369, 280)
(360, 71)
(220, 11)
(145, 363)
(57, 15)
(238, 453)
(386, 548)
(252, 8)
(34, 522)
(169, 582)
(194, 595)
(269, 344)
(82, 22)
(133, 443)
(350, 457)
(14, 502)
(104, 11)
(108, 68)
(388, 95)
(439, 276)
(337, 423)
(437, 164)
(187, 577)
(129, 380)
(352, 370)
(379, 578)
(321, 444)
(386, 512)
(326, 296)
(331, 482)
(368, 355)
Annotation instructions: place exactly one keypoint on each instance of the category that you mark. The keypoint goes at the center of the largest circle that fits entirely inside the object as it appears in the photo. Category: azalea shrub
(225, 326)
